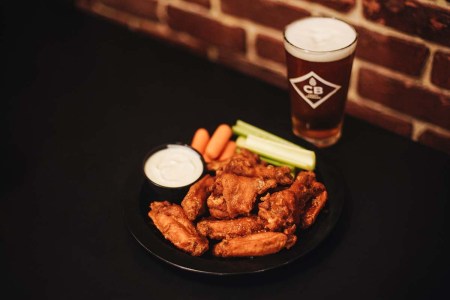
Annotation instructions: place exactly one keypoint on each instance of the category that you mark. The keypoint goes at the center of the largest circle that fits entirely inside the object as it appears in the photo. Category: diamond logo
(314, 89)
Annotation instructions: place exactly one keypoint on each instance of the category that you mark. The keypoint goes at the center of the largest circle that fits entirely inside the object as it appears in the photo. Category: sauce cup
(171, 169)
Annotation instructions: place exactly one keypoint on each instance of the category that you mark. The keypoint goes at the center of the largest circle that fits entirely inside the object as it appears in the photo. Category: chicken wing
(257, 244)
(194, 203)
(242, 158)
(220, 229)
(280, 211)
(172, 222)
(246, 163)
(234, 195)
(315, 206)
(300, 203)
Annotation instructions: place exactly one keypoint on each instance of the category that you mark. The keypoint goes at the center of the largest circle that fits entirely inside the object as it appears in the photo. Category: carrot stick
(200, 140)
(206, 158)
(218, 141)
(228, 151)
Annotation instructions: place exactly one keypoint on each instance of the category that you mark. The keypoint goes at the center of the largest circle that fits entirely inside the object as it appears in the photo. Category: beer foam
(320, 39)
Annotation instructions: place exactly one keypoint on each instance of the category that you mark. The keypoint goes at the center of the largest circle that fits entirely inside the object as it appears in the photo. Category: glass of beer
(319, 57)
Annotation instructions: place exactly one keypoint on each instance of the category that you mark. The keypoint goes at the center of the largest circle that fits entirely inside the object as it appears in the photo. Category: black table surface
(85, 99)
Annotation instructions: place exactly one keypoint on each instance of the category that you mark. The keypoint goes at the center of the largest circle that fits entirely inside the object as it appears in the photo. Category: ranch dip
(174, 166)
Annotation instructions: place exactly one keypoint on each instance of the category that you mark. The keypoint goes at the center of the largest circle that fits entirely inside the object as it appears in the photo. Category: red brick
(204, 3)
(270, 48)
(380, 119)
(435, 140)
(240, 64)
(393, 53)
(270, 13)
(192, 45)
(409, 99)
(207, 29)
(340, 5)
(440, 74)
(427, 21)
(141, 8)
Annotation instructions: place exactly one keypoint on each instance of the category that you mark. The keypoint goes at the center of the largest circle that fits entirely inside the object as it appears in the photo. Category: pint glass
(319, 57)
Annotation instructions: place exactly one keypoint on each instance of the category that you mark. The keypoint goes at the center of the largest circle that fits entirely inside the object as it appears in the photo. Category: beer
(319, 57)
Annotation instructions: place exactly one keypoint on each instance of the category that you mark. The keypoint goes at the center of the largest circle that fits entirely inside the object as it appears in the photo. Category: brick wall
(401, 75)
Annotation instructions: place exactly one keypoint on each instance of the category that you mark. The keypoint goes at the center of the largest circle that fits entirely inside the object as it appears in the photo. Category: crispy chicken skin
(243, 157)
(194, 203)
(220, 229)
(172, 222)
(239, 182)
(256, 244)
(300, 203)
(234, 195)
(246, 163)
(315, 206)
(280, 211)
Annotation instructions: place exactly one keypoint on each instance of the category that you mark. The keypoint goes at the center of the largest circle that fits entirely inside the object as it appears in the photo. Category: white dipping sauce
(174, 166)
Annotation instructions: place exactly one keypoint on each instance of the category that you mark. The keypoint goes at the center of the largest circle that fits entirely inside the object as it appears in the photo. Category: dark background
(85, 99)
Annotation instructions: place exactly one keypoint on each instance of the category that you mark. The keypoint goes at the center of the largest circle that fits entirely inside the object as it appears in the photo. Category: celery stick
(276, 163)
(239, 131)
(301, 158)
(245, 129)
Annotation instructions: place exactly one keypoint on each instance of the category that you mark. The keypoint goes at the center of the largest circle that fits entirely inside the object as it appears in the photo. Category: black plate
(142, 228)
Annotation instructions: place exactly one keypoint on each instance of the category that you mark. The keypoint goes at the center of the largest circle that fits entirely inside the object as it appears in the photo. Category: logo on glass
(314, 89)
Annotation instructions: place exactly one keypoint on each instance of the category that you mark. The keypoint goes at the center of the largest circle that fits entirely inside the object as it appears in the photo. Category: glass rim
(318, 51)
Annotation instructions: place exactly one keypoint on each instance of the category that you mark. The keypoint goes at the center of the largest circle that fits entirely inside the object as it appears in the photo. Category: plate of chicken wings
(243, 216)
